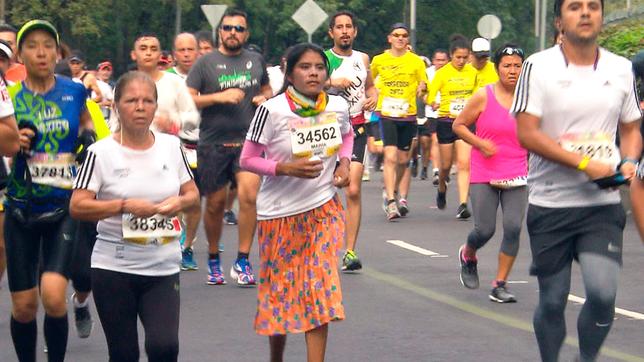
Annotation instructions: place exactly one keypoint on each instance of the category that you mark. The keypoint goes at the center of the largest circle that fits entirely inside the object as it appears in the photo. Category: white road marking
(414, 248)
(517, 282)
(624, 312)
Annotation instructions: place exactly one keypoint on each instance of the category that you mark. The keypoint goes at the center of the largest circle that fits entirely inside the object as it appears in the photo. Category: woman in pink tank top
(498, 172)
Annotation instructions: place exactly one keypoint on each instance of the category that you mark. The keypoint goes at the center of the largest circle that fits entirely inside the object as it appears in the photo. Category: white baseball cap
(481, 47)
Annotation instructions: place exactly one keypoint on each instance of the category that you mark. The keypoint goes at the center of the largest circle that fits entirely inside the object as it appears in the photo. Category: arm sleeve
(89, 175)
(188, 113)
(630, 111)
(261, 127)
(251, 159)
(528, 95)
(346, 150)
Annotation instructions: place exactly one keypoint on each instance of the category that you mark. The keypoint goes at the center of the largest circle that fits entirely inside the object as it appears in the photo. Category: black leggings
(81, 267)
(120, 298)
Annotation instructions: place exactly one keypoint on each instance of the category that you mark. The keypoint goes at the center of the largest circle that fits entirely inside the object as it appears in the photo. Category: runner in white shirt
(570, 102)
(135, 262)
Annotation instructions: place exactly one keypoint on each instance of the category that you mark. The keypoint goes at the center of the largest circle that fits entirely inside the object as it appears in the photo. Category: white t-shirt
(113, 171)
(429, 111)
(281, 196)
(106, 90)
(351, 67)
(175, 101)
(574, 101)
(6, 106)
(275, 78)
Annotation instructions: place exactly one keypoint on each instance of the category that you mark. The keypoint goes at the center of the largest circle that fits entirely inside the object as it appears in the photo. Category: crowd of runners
(106, 182)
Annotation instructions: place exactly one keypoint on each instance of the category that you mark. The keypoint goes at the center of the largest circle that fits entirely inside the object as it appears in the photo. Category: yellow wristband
(583, 163)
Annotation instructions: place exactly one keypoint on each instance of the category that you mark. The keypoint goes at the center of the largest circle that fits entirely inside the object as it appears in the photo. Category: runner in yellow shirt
(400, 78)
(480, 60)
(456, 82)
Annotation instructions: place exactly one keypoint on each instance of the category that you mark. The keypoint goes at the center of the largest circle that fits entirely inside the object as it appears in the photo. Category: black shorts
(26, 245)
(397, 133)
(359, 143)
(373, 130)
(217, 166)
(444, 131)
(557, 236)
(428, 128)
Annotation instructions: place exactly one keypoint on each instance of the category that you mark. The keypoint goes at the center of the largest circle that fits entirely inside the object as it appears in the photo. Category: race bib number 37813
(58, 170)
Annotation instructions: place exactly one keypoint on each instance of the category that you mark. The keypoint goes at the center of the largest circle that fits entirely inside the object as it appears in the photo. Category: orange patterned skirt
(299, 285)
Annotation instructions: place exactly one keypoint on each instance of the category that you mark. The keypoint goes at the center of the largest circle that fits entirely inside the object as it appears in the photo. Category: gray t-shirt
(216, 72)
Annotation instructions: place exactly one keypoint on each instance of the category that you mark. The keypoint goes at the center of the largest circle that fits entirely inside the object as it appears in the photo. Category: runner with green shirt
(351, 79)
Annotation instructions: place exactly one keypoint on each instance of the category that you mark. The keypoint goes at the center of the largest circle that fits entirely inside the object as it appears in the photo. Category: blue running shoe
(215, 274)
(242, 272)
(187, 260)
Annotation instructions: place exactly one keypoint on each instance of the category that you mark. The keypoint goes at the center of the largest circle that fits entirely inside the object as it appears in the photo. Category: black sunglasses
(238, 28)
(512, 51)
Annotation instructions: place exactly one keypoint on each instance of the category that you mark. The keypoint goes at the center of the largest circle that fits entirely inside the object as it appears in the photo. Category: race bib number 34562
(319, 136)
(150, 228)
(58, 170)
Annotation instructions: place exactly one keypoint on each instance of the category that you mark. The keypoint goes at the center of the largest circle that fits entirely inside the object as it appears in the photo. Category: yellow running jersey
(487, 75)
(397, 80)
(455, 87)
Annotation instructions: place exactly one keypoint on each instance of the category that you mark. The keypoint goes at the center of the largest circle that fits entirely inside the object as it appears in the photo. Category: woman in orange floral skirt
(302, 132)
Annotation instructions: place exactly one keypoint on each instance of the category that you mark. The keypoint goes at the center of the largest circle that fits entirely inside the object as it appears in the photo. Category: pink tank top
(497, 125)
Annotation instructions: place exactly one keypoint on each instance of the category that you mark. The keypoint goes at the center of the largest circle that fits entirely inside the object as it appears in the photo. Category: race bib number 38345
(316, 136)
(58, 170)
(139, 229)
(598, 146)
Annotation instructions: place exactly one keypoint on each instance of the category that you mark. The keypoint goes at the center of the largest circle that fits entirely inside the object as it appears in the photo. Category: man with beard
(227, 85)
(351, 79)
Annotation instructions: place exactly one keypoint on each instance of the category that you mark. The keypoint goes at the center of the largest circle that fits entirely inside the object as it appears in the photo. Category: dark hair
(504, 51)
(559, 4)
(6, 28)
(128, 78)
(235, 12)
(341, 13)
(294, 55)
(458, 41)
(204, 35)
(146, 34)
(440, 50)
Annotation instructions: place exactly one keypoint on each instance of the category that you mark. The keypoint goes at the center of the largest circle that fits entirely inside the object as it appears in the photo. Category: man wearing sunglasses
(570, 102)
(400, 78)
(227, 85)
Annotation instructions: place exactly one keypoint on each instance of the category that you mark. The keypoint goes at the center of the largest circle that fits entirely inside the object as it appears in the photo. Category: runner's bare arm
(470, 114)
(630, 146)
(536, 141)
(265, 93)
(92, 83)
(9, 136)
(84, 206)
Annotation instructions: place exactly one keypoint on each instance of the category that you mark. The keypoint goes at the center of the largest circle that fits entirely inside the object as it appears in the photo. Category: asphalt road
(405, 305)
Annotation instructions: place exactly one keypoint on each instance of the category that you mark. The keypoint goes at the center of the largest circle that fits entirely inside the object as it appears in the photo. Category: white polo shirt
(574, 101)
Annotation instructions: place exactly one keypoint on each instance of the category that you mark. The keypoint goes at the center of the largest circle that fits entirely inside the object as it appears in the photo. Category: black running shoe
(423, 173)
(463, 213)
(500, 294)
(441, 200)
(469, 273)
(414, 167)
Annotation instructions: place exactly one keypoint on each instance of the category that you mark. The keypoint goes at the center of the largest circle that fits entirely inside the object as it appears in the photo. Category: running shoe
(469, 272)
(384, 201)
(242, 272)
(463, 213)
(423, 173)
(435, 177)
(366, 176)
(187, 260)
(392, 210)
(441, 200)
(500, 294)
(215, 274)
(350, 261)
(230, 218)
(403, 208)
(82, 319)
